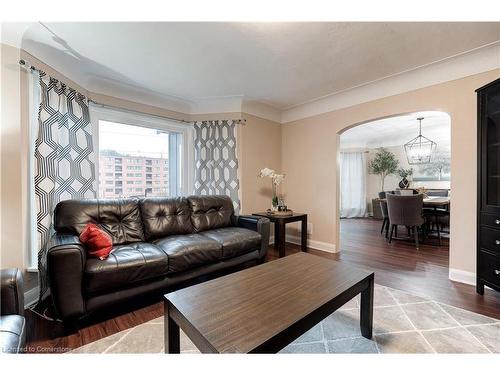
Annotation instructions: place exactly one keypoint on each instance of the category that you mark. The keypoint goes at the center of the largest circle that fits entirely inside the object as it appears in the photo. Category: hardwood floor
(398, 265)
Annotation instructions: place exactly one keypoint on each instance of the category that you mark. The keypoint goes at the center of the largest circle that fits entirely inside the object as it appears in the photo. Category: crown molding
(137, 94)
(261, 110)
(233, 104)
(221, 104)
(477, 61)
(473, 62)
(11, 33)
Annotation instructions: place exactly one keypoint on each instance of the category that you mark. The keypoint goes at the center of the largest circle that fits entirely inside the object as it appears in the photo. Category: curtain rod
(27, 65)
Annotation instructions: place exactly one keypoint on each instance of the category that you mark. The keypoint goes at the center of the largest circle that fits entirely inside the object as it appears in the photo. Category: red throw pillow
(98, 242)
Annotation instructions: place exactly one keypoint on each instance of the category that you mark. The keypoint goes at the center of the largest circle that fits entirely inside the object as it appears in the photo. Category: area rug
(403, 323)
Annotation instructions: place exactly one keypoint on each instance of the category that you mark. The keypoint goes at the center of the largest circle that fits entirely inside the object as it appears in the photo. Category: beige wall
(310, 150)
(259, 145)
(12, 239)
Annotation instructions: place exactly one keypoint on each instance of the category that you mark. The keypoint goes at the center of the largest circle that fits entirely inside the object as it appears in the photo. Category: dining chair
(437, 219)
(437, 193)
(385, 218)
(405, 210)
(382, 194)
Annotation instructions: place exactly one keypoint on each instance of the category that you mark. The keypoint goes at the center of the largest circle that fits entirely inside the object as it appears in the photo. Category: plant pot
(404, 183)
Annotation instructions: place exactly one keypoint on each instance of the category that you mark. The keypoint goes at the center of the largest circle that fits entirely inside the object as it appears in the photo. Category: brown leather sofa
(12, 322)
(158, 244)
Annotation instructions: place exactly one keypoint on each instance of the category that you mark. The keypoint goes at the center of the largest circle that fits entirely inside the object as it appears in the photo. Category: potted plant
(404, 174)
(384, 164)
(276, 180)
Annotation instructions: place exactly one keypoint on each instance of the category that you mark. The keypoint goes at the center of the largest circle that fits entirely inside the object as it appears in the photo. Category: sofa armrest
(12, 292)
(66, 259)
(259, 224)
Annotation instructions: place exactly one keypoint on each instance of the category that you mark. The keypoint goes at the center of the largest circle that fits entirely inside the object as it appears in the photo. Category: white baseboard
(463, 277)
(31, 296)
(313, 244)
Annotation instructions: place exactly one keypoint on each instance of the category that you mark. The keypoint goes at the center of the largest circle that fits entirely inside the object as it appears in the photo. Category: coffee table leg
(366, 316)
(172, 337)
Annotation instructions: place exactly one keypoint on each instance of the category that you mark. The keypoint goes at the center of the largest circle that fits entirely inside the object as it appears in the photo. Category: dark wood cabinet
(488, 230)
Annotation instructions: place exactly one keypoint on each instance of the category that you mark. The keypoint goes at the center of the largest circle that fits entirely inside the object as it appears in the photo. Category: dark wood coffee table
(264, 308)
(280, 229)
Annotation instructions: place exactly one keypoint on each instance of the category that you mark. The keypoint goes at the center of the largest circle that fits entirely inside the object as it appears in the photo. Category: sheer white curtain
(352, 184)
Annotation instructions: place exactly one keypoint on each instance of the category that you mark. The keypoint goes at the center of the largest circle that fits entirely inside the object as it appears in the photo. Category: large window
(141, 156)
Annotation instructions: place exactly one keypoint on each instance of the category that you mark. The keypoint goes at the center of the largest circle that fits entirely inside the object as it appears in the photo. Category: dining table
(436, 203)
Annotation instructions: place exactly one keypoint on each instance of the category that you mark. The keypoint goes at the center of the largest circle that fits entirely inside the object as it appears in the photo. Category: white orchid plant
(276, 178)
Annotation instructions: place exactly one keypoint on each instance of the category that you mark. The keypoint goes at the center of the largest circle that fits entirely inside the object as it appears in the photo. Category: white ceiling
(279, 64)
(396, 131)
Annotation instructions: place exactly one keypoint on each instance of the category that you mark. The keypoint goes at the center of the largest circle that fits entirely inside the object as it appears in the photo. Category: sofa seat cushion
(12, 333)
(235, 241)
(189, 251)
(126, 264)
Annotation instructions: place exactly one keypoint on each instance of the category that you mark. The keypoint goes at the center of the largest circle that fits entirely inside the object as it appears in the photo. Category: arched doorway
(380, 144)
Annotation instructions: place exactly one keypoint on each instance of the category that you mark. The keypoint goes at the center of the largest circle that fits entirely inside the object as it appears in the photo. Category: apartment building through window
(134, 149)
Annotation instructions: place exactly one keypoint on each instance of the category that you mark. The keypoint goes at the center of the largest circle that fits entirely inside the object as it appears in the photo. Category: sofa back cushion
(121, 218)
(165, 217)
(210, 211)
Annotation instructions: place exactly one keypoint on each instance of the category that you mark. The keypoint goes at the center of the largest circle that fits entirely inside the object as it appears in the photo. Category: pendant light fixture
(420, 149)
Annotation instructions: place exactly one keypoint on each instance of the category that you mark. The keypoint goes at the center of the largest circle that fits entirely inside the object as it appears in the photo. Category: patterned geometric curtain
(64, 158)
(216, 161)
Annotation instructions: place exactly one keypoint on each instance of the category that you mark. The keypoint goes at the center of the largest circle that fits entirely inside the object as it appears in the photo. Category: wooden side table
(280, 230)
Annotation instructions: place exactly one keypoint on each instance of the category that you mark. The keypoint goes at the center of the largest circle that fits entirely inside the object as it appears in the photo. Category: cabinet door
(490, 153)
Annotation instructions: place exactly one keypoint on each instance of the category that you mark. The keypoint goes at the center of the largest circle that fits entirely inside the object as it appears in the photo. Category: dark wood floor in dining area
(398, 265)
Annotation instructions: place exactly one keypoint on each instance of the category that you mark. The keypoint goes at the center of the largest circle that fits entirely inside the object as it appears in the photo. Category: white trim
(477, 61)
(12, 33)
(31, 296)
(261, 110)
(31, 132)
(135, 118)
(220, 104)
(461, 276)
(237, 103)
(313, 244)
(137, 94)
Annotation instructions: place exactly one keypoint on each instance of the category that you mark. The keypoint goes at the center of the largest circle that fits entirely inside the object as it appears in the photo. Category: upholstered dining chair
(438, 218)
(405, 210)
(385, 214)
(382, 194)
(437, 193)
(385, 218)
